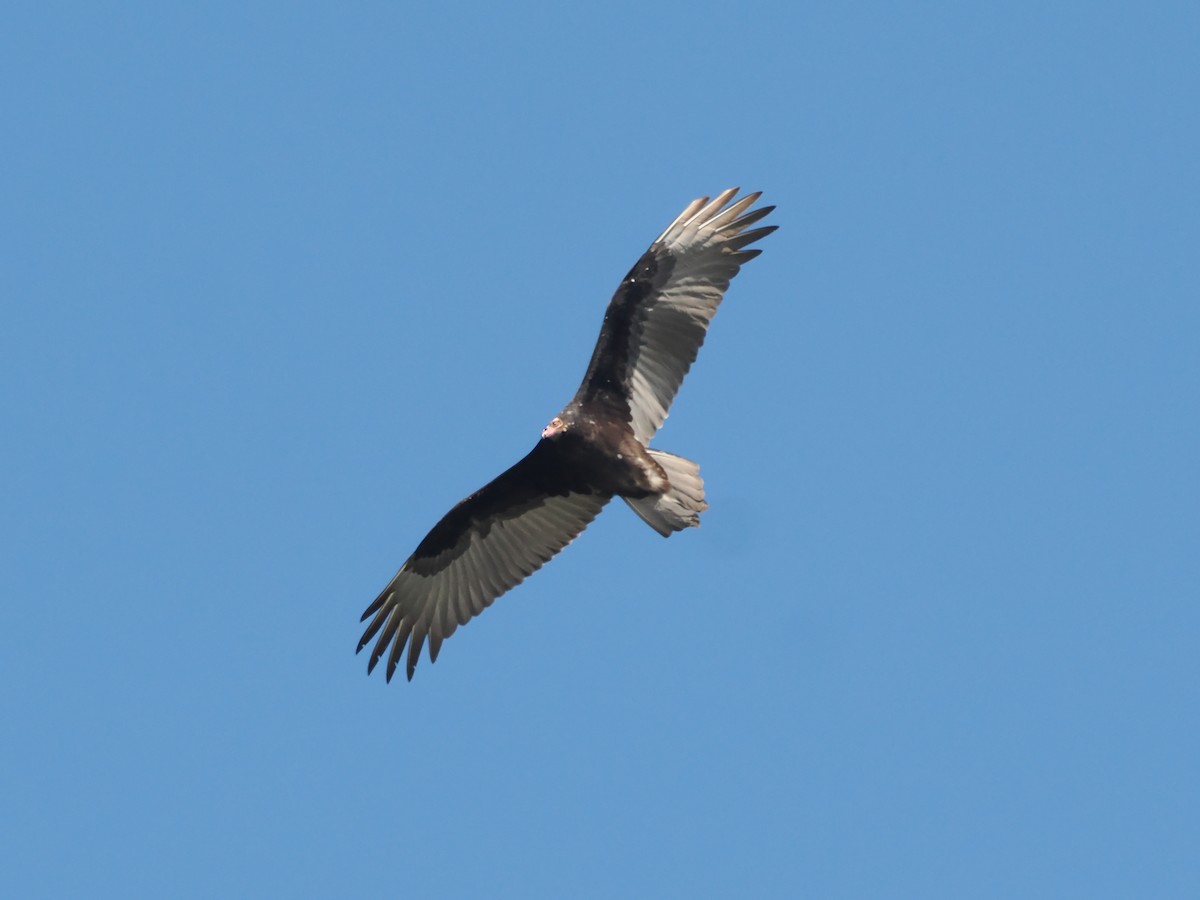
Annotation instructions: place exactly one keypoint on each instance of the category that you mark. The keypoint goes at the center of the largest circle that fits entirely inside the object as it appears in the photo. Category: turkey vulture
(593, 450)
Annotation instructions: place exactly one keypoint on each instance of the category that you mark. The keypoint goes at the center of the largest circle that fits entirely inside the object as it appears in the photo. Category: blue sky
(283, 282)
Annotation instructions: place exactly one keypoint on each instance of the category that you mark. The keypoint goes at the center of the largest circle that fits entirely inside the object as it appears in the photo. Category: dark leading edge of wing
(485, 545)
(658, 317)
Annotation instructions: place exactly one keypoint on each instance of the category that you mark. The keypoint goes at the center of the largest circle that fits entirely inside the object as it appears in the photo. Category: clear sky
(282, 282)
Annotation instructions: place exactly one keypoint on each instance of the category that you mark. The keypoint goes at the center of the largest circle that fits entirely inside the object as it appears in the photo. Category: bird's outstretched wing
(657, 319)
(487, 544)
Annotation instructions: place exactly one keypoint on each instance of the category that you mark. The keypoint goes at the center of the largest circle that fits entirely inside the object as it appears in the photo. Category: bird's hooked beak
(556, 425)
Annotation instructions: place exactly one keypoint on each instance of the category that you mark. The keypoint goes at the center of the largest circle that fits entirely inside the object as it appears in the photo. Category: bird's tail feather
(681, 505)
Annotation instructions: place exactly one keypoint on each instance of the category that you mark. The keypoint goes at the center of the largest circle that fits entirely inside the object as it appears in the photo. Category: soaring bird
(597, 448)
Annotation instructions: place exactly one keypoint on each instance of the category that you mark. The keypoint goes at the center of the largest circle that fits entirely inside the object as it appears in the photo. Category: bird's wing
(657, 319)
(487, 544)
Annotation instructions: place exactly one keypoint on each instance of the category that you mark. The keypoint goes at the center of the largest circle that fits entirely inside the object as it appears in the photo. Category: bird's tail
(681, 505)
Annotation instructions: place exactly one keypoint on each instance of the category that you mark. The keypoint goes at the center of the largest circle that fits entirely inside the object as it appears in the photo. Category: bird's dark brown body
(616, 461)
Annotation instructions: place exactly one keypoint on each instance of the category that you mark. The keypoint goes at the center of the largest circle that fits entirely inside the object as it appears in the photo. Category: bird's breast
(616, 462)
